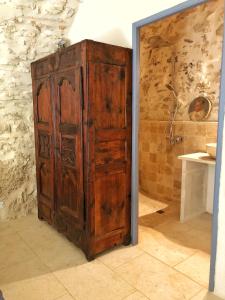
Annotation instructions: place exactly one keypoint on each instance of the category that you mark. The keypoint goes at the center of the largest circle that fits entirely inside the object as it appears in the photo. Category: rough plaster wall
(29, 29)
(194, 39)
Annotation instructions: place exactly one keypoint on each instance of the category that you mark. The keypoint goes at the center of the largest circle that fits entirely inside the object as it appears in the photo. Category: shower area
(180, 65)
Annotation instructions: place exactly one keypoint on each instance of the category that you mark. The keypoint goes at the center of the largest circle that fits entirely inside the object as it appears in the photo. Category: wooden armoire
(82, 116)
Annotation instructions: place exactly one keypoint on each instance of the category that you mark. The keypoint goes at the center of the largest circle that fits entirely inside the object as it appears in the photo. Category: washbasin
(211, 149)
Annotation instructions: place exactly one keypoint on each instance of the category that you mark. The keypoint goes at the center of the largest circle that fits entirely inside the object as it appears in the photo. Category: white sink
(211, 149)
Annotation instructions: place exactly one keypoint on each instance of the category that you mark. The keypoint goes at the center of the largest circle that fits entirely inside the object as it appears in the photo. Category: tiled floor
(37, 263)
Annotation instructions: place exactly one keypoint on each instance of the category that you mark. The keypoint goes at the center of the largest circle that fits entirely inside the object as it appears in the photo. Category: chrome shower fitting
(170, 129)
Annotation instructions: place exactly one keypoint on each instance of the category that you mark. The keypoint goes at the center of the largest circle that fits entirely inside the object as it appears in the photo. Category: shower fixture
(171, 88)
(173, 139)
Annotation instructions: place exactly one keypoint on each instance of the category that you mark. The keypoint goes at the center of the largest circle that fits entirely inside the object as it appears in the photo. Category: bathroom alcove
(179, 51)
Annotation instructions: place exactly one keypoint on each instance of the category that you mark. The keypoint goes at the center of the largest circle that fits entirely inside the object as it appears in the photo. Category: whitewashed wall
(220, 263)
(110, 21)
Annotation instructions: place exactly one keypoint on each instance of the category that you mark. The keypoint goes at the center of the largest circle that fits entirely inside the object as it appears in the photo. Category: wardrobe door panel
(110, 198)
(110, 103)
(69, 148)
(110, 111)
(43, 119)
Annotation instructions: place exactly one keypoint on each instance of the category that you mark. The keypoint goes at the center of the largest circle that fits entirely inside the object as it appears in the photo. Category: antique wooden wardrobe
(82, 117)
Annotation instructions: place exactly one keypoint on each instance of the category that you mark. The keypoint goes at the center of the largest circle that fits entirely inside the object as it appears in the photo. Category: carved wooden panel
(44, 102)
(110, 198)
(44, 139)
(70, 193)
(45, 180)
(68, 107)
(68, 151)
(44, 145)
(69, 163)
(109, 98)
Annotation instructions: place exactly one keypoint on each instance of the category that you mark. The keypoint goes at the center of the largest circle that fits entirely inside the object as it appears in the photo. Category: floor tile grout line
(134, 293)
(159, 260)
(58, 298)
(128, 283)
(200, 285)
(196, 294)
(18, 263)
(23, 260)
(39, 258)
(176, 270)
(114, 274)
(31, 248)
(123, 262)
(117, 274)
(49, 269)
(174, 266)
(113, 270)
(57, 279)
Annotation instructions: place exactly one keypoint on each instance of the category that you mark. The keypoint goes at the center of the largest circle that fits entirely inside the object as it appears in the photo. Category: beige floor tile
(197, 239)
(26, 270)
(173, 228)
(55, 250)
(170, 212)
(13, 250)
(202, 222)
(94, 281)
(200, 240)
(205, 295)
(164, 248)
(149, 206)
(61, 255)
(119, 256)
(154, 220)
(45, 287)
(66, 297)
(40, 236)
(28, 222)
(156, 280)
(197, 268)
(186, 235)
(6, 229)
(136, 296)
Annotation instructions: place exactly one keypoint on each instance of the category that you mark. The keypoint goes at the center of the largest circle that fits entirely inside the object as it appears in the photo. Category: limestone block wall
(193, 39)
(29, 29)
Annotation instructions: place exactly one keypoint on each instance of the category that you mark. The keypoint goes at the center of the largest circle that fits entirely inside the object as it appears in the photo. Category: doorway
(160, 169)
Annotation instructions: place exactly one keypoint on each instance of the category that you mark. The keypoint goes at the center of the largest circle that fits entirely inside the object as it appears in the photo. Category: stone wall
(29, 29)
(193, 39)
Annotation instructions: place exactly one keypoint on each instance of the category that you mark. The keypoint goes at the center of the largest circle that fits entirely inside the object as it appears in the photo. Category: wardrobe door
(69, 148)
(111, 111)
(43, 121)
